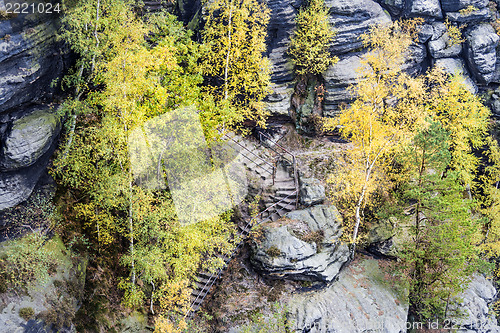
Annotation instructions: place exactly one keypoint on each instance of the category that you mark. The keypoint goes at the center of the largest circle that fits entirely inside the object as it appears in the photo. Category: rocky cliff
(30, 59)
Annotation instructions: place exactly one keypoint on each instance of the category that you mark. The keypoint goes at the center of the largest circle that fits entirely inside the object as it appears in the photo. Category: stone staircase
(278, 176)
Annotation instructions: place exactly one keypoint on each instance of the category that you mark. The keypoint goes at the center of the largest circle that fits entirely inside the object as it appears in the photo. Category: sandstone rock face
(280, 28)
(395, 7)
(337, 79)
(351, 18)
(361, 300)
(15, 187)
(481, 52)
(30, 59)
(456, 5)
(305, 246)
(441, 45)
(479, 15)
(430, 8)
(475, 303)
(29, 138)
(311, 191)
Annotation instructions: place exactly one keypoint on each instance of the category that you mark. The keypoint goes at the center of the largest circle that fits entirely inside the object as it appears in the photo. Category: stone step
(259, 165)
(283, 193)
(288, 200)
(275, 217)
(201, 280)
(202, 290)
(284, 185)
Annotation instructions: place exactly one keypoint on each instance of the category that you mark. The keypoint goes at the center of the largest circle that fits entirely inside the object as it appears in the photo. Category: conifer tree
(310, 44)
(441, 254)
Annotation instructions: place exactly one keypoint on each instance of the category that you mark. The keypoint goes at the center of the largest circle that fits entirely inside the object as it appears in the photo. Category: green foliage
(309, 46)
(26, 313)
(237, 72)
(414, 143)
(275, 323)
(454, 33)
(139, 80)
(27, 262)
(94, 30)
(441, 255)
(273, 252)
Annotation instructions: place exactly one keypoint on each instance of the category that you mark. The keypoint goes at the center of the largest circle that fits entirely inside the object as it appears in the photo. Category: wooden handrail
(251, 224)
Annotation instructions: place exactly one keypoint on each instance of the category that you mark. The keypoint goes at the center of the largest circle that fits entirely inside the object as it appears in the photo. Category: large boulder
(312, 192)
(24, 154)
(431, 8)
(350, 19)
(363, 299)
(482, 41)
(305, 245)
(29, 138)
(441, 45)
(17, 186)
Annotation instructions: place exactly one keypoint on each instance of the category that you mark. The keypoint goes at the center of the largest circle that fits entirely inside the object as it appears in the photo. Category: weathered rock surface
(481, 52)
(58, 298)
(415, 61)
(350, 19)
(430, 8)
(337, 79)
(456, 66)
(395, 7)
(456, 5)
(281, 26)
(475, 304)
(29, 58)
(303, 246)
(16, 186)
(28, 139)
(479, 15)
(361, 300)
(441, 45)
(312, 192)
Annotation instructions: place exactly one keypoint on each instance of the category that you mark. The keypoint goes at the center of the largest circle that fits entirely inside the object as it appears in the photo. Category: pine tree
(440, 255)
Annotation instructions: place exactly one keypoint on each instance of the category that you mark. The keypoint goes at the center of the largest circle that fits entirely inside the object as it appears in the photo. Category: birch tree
(234, 65)
(378, 121)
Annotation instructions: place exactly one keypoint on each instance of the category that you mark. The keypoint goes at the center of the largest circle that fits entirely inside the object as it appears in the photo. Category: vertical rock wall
(30, 59)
